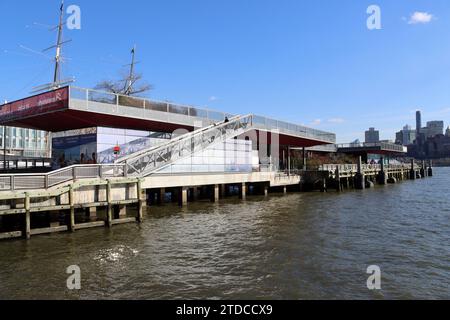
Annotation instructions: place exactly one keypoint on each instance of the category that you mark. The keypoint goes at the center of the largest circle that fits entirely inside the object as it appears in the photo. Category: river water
(299, 246)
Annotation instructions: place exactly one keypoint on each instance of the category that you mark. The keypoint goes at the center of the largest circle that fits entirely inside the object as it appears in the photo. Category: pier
(111, 198)
(217, 156)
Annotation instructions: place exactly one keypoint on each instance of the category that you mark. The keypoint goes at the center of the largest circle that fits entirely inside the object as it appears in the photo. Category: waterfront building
(434, 128)
(406, 136)
(418, 122)
(372, 136)
(90, 126)
(19, 145)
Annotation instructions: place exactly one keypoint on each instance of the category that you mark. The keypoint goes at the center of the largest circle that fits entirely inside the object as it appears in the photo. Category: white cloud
(420, 18)
(213, 98)
(336, 120)
(316, 122)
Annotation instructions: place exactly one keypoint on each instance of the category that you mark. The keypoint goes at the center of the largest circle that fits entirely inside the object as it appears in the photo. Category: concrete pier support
(72, 210)
(54, 219)
(285, 190)
(142, 204)
(412, 172)
(119, 211)
(266, 190)
(243, 191)
(183, 196)
(109, 209)
(27, 228)
(423, 171)
(223, 191)
(337, 179)
(392, 180)
(382, 176)
(430, 169)
(161, 196)
(216, 193)
(359, 179)
(91, 213)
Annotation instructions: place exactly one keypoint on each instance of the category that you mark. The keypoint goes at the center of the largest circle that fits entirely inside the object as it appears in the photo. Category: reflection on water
(300, 246)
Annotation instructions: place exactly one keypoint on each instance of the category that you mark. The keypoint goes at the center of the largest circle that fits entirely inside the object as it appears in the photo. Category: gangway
(156, 158)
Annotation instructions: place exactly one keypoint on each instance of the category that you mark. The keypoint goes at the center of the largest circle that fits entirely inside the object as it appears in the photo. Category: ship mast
(57, 82)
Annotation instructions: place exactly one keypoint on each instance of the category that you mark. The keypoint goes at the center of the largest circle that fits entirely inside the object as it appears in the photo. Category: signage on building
(73, 141)
(42, 103)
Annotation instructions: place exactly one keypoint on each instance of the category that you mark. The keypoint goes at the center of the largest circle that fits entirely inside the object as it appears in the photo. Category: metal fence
(17, 182)
(364, 167)
(382, 145)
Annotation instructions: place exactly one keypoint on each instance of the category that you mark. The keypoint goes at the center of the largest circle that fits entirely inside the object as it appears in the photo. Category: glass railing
(211, 116)
(382, 145)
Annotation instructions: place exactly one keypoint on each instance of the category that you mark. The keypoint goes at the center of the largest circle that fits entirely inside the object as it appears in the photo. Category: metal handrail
(124, 159)
(24, 181)
(382, 145)
(364, 167)
(159, 157)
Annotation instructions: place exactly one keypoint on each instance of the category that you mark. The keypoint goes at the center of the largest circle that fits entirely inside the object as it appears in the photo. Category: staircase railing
(146, 162)
(139, 153)
(17, 182)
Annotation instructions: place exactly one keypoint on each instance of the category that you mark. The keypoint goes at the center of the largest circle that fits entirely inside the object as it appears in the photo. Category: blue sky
(310, 62)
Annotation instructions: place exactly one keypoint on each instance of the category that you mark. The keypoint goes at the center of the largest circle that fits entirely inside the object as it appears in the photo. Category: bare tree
(130, 85)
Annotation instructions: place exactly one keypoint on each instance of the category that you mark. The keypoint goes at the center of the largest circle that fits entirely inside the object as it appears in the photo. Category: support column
(243, 191)
(216, 193)
(121, 211)
(337, 179)
(142, 204)
(183, 196)
(161, 195)
(423, 172)
(27, 230)
(109, 209)
(360, 180)
(382, 176)
(412, 172)
(430, 169)
(72, 209)
(304, 158)
(266, 190)
(91, 213)
(195, 194)
(285, 190)
(223, 191)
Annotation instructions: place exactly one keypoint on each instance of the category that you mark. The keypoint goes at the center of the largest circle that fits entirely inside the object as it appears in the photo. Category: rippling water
(299, 246)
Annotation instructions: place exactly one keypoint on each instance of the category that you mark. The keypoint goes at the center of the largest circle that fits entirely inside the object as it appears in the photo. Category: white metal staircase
(148, 161)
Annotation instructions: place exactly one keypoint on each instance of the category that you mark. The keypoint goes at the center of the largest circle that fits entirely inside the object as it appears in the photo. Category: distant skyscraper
(406, 136)
(447, 132)
(435, 128)
(418, 122)
(372, 136)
